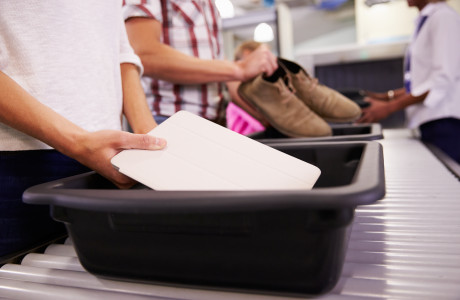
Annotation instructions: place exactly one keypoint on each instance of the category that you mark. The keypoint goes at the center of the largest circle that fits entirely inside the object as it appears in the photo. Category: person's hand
(259, 61)
(378, 110)
(96, 149)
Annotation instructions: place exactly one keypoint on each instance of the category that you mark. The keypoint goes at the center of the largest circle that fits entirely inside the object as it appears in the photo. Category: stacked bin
(340, 132)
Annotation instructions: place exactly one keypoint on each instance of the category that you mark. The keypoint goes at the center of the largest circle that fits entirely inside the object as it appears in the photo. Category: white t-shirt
(435, 65)
(67, 55)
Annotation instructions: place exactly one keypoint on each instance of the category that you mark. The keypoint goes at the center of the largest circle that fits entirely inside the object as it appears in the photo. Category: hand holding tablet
(201, 155)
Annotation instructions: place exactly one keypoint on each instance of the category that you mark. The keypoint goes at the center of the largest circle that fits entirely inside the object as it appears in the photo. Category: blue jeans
(23, 225)
(160, 119)
(444, 134)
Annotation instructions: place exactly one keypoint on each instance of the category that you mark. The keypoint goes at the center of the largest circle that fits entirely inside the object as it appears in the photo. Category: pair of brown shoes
(295, 103)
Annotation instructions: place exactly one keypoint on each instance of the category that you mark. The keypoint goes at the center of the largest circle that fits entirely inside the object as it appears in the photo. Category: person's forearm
(168, 64)
(135, 106)
(20, 110)
(162, 61)
(404, 100)
(399, 92)
(23, 112)
(386, 96)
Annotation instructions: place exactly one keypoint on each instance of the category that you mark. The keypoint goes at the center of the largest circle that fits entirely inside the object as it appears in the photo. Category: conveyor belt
(406, 246)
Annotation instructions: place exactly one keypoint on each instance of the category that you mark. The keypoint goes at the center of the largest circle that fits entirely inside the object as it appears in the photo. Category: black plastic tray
(340, 132)
(284, 241)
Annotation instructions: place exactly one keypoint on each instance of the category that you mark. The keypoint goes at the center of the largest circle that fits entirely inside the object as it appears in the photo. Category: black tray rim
(375, 134)
(367, 186)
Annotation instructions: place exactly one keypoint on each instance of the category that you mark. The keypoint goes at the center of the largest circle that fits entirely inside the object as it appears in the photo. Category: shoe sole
(347, 120)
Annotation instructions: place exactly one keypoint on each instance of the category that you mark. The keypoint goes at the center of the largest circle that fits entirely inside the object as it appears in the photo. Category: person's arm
(387, 96)
(20, 110)
(379, 110)
(166, 63)
(135, 106)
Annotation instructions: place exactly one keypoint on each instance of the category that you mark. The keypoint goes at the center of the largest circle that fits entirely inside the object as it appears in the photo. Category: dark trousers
(444, 134)
(24, 225)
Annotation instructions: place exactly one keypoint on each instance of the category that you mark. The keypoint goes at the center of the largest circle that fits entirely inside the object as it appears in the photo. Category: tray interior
(338, 164)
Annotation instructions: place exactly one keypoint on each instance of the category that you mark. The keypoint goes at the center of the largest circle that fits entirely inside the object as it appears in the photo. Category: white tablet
(201, 155)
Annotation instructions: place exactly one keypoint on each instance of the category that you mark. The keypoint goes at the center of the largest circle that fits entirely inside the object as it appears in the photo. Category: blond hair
(248, 46)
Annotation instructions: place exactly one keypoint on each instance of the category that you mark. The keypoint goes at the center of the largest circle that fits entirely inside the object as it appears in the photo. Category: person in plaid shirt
(180, 46)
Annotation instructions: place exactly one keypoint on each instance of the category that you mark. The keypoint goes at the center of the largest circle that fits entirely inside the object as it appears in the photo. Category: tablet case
(202, 155)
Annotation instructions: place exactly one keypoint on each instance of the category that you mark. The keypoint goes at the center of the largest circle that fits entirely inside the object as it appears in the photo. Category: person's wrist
(392, 107)
(390, 95)
(75, 144)
(238, 71)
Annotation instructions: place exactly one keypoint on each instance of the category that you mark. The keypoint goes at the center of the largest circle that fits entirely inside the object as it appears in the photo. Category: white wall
(315, 28)
(385, 22)
(352, 26)
(377, 32)
(355, 22)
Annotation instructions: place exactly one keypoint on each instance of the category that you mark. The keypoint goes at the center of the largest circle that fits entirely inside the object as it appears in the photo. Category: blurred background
(347, 44)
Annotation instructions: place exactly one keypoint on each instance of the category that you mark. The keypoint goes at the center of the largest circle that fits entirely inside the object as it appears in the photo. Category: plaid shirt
(192, 27)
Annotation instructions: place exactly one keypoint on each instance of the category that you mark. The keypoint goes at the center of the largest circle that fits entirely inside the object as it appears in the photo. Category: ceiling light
(263, 33)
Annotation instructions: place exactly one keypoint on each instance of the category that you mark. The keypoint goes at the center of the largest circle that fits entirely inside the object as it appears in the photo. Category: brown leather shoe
(326, 102)
(280, 106)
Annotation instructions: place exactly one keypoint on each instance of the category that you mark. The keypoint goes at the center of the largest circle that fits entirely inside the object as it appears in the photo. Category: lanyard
(407, 80)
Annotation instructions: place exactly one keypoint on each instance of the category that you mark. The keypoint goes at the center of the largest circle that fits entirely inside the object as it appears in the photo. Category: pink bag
(240, 121)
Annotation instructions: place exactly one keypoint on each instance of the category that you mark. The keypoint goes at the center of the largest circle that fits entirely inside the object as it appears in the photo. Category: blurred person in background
(431, 92)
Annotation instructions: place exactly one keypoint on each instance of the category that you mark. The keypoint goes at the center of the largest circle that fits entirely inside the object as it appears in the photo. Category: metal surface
(406, 246)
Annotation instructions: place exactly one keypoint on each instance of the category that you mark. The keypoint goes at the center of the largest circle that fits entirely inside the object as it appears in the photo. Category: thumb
(145, 142)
